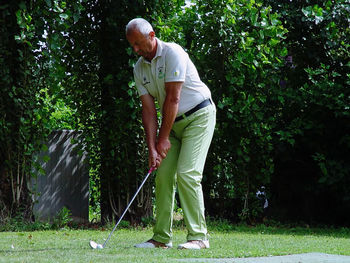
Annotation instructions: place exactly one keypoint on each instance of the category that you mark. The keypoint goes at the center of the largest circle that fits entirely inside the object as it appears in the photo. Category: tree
(237, 48)
(124, 153)
(23, 117)
(278, 74)
(313, 147)
(77, 54)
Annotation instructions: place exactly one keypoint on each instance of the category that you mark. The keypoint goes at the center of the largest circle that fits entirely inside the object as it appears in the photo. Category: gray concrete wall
(66, 183)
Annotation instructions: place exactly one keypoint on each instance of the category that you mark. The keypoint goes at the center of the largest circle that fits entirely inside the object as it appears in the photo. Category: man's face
(141, 44)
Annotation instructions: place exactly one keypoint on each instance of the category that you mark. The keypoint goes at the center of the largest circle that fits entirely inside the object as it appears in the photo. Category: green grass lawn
(241, 241)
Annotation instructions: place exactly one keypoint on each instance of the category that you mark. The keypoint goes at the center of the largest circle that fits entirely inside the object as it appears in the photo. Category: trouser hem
(161, 240)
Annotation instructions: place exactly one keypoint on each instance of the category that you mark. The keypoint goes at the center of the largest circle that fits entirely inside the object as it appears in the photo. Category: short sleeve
(140, 88)
(175, 64)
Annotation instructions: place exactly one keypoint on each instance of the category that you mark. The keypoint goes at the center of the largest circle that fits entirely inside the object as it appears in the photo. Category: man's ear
(152, 34)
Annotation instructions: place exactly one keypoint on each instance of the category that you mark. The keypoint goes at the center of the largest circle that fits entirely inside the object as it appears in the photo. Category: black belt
(198, 107)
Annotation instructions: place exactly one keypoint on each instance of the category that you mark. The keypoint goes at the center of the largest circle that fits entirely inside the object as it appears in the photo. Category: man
(165, 72)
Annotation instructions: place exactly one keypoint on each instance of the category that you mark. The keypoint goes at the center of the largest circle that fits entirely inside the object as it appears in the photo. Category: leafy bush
(313, 147)
(237, 48)
(278, 71)
(283, 103)
(23, 116)
(18, 223)
(63, 218)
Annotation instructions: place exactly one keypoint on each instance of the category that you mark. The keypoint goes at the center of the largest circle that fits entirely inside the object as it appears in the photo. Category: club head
(94, 245)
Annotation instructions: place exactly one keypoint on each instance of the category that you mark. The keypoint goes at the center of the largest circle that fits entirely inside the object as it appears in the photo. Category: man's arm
(150, 124)
(170, 108)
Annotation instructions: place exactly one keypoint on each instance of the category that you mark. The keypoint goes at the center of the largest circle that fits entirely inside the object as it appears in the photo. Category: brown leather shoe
(154, 244)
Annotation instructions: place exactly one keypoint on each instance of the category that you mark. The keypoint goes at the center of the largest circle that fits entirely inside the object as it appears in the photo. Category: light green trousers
(190, 140)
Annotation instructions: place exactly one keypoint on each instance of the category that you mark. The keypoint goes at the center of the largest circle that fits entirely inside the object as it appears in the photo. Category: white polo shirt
(171, 63)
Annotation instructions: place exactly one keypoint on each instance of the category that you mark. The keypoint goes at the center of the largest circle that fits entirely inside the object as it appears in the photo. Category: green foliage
(23, 118)
(315, 117)
(63, 218)
(278, 72)
(123, 148)
(35, 66)
(73, 43)
(238, 49)
(19, 224)
(279, 76)
(71, 66)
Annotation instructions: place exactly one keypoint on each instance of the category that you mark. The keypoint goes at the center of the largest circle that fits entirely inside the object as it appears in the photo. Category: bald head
(142, 38)
(139, 24)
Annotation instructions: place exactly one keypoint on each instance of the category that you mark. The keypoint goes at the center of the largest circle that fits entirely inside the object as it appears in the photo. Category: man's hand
(163, 146)
(154, 159)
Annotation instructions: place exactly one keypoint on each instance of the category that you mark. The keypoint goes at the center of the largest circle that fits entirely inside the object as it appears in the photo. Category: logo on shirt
(145, 82)
(161, 73)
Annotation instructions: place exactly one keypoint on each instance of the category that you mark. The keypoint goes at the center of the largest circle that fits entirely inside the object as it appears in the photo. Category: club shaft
(127, 208)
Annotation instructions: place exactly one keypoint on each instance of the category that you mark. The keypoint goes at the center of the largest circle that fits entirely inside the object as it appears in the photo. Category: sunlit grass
(227, 241)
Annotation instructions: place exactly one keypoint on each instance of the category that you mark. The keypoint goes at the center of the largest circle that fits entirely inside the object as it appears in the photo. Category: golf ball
(99, 246)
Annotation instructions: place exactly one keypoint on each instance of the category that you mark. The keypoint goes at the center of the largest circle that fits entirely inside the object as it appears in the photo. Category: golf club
(95, 245)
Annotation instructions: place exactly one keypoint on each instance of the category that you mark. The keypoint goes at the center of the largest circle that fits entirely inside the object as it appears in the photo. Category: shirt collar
(159, 48)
